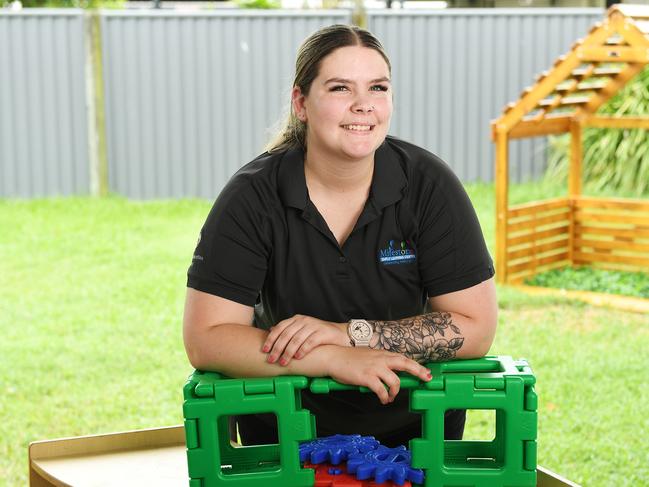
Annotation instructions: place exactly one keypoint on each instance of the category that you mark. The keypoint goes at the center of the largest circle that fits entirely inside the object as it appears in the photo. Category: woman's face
(349, 105)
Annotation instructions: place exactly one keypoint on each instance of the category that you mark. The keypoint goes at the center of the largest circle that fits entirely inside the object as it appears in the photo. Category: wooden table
(135, 458)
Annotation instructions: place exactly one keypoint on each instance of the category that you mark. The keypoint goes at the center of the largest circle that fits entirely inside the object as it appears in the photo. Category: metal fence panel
(43, 131)
(454, 70)
(189, 96)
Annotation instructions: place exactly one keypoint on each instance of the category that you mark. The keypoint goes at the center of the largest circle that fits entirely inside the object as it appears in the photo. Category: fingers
(281, 338)
(308, 344)
(391, 380)
(288, 336)
(404, 364)
(274, 333)
(377, 387)
(375, 370)
(302, 339)
(295, 337)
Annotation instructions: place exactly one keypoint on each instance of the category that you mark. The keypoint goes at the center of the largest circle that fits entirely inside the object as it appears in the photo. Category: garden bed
(633, 284)
(627, 291)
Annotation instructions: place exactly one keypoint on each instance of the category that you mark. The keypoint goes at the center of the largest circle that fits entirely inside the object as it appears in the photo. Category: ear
(297, 101)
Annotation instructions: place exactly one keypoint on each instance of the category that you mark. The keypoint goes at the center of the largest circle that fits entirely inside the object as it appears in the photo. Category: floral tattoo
(422, 338)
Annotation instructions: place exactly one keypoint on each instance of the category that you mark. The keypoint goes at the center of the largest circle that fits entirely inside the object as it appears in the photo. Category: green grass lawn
(91, 297)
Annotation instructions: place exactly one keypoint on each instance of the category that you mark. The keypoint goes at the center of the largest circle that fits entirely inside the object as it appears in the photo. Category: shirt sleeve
(452, 251)
(232, 253)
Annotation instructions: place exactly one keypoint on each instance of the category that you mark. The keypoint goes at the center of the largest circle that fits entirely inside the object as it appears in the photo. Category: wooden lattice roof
(581, 81)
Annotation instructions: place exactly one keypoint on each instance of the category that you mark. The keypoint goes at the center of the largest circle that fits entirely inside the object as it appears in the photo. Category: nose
(362, 105)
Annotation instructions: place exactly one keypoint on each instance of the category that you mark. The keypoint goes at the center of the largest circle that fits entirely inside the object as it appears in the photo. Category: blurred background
(121, 121)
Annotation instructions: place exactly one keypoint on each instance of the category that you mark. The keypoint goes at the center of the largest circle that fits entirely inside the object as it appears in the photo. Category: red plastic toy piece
(343, 479)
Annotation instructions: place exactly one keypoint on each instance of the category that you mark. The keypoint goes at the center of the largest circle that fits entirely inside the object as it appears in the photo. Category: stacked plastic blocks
(366, 458)
(327, 475)
(491, 383)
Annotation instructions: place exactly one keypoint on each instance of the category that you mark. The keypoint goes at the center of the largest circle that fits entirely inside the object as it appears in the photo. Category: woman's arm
(463, 325)
(219, 335)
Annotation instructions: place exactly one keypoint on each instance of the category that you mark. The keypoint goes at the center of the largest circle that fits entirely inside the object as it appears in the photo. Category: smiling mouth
(359, 128)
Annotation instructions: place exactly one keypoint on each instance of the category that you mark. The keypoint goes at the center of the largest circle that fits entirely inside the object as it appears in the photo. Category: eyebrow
(343, 80)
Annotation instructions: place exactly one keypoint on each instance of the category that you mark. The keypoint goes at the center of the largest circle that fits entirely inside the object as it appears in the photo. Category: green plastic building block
(493, 383)
(211, 458)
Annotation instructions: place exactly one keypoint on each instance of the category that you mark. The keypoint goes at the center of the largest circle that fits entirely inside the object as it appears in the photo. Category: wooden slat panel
(617, 122)
(546, 83)
(567, 86)
(533, 128)
(627, 218)
(605, 71)
(538, 249)
(612, 258)
(535, 264)
(613, 203)
(539, 222)
(550, 102)
(584, 73)
(530, 237)
(575, 100)
(613, 54)
(613, 87)
(613, 245)
(565, 101)
(617, 233)
(593, 84)
(531, 208)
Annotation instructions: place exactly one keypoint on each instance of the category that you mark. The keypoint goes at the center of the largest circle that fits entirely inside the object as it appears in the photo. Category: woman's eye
(338, 88)
(379, 88)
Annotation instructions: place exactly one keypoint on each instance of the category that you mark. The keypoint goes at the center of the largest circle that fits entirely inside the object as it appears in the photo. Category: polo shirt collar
(387, 187)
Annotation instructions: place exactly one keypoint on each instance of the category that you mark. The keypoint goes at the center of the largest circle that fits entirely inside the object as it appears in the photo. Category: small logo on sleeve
(197, 256)
(402, 254)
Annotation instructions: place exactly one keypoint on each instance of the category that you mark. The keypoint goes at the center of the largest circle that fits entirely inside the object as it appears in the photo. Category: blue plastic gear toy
(385, 464)
(336, 449)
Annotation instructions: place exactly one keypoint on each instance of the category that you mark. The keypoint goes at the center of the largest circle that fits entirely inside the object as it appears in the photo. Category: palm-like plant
(614, 160)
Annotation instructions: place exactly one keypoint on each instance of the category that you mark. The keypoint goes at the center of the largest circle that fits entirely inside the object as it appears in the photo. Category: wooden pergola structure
(574, 230)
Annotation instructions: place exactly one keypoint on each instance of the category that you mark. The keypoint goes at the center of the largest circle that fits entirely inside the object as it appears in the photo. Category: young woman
(341, 252)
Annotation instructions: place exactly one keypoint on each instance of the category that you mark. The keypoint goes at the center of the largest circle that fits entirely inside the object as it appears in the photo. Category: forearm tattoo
(423, 338)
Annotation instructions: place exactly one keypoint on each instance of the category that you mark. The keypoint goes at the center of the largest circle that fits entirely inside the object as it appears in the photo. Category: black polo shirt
(264, 244)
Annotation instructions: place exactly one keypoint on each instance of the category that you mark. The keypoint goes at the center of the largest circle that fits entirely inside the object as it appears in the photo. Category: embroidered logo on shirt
(403, 254)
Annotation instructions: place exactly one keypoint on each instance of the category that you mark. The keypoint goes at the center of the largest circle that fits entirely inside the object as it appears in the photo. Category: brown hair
(307, 65)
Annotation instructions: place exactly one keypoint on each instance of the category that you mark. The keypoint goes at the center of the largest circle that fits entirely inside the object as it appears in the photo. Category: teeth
(360, 128)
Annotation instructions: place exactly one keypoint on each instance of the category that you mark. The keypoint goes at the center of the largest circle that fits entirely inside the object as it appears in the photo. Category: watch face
(361, 330)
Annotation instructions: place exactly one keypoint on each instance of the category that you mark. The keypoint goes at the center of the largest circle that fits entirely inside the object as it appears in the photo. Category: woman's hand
(374, 369)
(297, 336)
